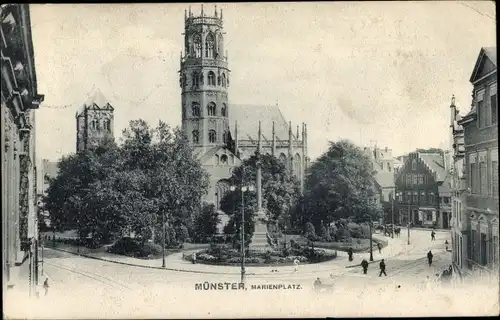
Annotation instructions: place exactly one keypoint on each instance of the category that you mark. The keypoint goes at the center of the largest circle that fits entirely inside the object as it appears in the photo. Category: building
(476, 241)
(222, 133)
(94, 121)
(20, 99)
(423, 195)
(383, 165)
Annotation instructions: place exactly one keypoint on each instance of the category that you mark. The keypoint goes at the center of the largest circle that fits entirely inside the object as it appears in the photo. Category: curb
(359, 265)
(148, 267)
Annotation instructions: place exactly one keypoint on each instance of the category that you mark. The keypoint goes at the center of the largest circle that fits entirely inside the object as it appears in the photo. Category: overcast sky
(363, 71)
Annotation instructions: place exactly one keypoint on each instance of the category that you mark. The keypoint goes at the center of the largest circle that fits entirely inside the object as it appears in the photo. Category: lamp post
(394, 196)
(163, 239)
(371, 239)
(243, 188)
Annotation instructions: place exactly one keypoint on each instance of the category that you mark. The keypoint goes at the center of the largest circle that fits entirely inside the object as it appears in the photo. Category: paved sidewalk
(175, 262)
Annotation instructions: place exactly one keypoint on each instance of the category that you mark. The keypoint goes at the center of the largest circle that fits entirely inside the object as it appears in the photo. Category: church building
(223, 134)
(94, 121)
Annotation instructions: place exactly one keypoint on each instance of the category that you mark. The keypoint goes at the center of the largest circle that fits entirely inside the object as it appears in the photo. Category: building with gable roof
(223, 134)
(475, 238)
(423, 195)
(94, 121)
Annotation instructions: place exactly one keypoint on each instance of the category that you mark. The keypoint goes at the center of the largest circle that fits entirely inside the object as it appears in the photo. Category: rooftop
(94, 97)
(248, 117)
(435, 163)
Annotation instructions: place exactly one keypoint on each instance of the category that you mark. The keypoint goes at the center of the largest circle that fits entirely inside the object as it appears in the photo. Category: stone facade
(94, 121)
(421, 194)
(18, 102)
(476, 240)
(207, 115)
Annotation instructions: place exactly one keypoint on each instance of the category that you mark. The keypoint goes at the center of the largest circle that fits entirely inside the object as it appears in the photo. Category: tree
(206, 223)
(339, 184)
(280, 192)
(111, 189)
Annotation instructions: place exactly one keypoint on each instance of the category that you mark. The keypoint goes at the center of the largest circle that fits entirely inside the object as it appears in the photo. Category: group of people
(364, 265)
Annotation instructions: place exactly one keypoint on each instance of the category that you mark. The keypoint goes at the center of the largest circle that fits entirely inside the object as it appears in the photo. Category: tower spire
(297, 136)
(185, 14)
(453, 99)
(190, 13)
(215, 11)
(202, 10)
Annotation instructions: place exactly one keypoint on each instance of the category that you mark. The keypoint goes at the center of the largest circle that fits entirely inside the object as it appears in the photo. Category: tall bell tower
(204, 79)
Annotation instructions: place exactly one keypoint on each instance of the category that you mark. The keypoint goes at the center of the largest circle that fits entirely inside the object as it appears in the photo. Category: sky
(369, 72)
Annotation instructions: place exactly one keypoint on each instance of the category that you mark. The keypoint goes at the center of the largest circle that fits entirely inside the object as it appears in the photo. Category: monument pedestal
(259, 240)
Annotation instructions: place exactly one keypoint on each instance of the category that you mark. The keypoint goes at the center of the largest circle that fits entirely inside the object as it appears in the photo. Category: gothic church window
(223, 110)
(195, 109)
(225, 137)
(197, 46)
(211, 78)
(211, 109)
(212, 136)
(414, 165)
(195, 136)
(196, 79)
(223, 79)
(107, 125)
(210, 46)
(202, 78)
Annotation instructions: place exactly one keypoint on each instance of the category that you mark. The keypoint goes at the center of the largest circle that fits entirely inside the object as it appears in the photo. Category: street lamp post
(243, 188)
(394, 195)
(163, 239)
(371, 239)
(409, 222)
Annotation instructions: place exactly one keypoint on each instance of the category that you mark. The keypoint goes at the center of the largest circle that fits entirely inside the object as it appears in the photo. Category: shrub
(310, 232)
(342, 235)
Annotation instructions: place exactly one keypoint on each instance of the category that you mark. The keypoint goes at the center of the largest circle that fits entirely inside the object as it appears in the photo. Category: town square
(249, 160)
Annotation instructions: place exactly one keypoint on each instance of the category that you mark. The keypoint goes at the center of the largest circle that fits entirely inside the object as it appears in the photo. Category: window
(195, 108)
(494, 110)
(414, 165)
(219, 80)
(197, 46)
(446, 200)
(483, 174)
(431, 198)
(473, 174)
(408, 179)
(389, 167)
(415, 197)
(420, 179)
(415, 179)
(428, 216)
(210, 46)
(184, 80)
(224, 137)
(93, 124)
(196, 79)
(223, 110)
(211, 78)
(494, 172)
(107, 125)
(211, 109)
(202, 78)
(223, 79)
(223, 159)
(480, 113)
(196, 136)
(212, 136)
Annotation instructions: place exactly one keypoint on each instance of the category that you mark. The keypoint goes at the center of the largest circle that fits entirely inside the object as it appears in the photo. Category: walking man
(382, 268)
(296, 264)
(433, 236)
(364, 265)
(379, 245)
(349, 252)
(446, 244)
(46, 286)
(429, 257)
(194, 257)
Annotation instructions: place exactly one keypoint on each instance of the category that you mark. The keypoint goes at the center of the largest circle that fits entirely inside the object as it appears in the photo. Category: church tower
(204, 79)
(94, 121)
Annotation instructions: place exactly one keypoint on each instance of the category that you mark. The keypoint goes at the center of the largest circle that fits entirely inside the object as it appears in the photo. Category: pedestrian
(379, 245)
(364, 265)
(446, 245)
(46, 286)
(382, 268)
(349, 252)
(433, 236)
(317, 284)
(296, 264)
(194, 258)
(450, 269)
(429, 257)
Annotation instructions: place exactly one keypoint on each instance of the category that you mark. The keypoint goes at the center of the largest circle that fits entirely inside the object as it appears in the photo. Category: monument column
(259, 173)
